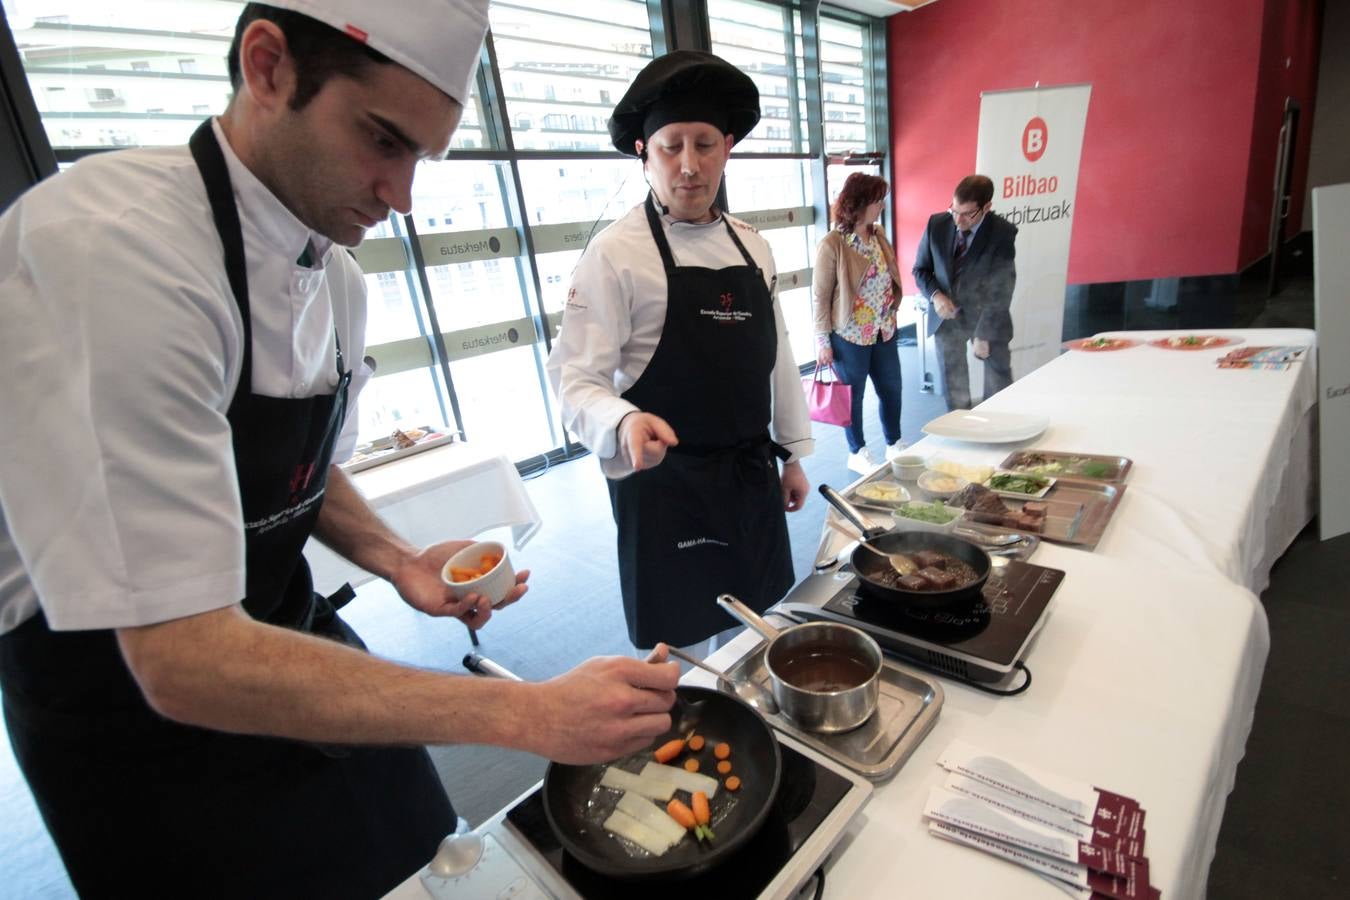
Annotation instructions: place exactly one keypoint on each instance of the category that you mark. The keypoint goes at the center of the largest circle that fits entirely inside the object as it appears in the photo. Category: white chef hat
(436, 39)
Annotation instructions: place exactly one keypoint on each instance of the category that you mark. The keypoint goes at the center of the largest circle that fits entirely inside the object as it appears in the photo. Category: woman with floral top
(857, 289)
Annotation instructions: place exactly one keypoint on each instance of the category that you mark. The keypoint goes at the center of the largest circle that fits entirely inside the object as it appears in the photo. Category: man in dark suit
(964, 267)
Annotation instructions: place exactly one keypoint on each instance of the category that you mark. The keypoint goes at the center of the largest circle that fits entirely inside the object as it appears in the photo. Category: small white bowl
(907, 467)
(495, 585)
(940, 485)
(905, 523)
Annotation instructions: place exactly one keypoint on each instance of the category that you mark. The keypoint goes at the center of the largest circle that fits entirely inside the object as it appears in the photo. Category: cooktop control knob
(477, 867)
(457, 854)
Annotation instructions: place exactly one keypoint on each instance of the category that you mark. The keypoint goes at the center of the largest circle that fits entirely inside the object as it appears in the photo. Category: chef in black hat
(673, 365)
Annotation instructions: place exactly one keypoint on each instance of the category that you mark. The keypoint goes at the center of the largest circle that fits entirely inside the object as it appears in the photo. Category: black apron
(709, 519)
(140, 806)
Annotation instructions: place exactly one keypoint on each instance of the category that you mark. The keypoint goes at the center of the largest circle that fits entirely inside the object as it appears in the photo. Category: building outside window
(465, 292)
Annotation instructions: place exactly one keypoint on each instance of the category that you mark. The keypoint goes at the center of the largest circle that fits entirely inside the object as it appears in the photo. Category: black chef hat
(684, 86)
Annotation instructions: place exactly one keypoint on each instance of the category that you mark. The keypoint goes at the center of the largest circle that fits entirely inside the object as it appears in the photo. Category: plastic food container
(494, 585)
(905, 523)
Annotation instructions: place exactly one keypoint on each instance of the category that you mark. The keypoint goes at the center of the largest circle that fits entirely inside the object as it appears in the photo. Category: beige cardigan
(839, 275)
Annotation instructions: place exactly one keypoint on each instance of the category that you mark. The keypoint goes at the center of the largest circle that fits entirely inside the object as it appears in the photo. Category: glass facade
(465, 291)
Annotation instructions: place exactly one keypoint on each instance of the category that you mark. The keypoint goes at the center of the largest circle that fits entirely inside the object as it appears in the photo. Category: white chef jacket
(612, 323)
(119, 356)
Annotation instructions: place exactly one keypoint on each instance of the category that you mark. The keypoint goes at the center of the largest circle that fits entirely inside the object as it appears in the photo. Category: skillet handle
(481, 665)
(747, 616)
(850, 512)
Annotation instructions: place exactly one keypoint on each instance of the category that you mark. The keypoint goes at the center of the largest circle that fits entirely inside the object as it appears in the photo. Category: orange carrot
(696, 743)
(732, 784)
(722, 751)
(681, 813)
(701, 811)
(691, 765)
(669, 750)
(724, 766)
(458, 574)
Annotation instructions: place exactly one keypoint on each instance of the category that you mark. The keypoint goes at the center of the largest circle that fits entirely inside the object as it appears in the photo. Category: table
(1148, 667)
(456, 490)
(1223, 472)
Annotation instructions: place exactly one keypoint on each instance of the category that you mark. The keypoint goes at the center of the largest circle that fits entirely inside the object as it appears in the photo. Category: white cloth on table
(1145, 681)
(612, 324)
(117, 481)
(455, 491)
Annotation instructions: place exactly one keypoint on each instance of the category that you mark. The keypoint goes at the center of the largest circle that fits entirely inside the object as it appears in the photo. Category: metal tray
(1119, 465)
(907, 708)
(1077, 511)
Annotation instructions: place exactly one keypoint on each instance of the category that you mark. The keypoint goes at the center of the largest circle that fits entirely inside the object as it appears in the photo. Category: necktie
(959, 251)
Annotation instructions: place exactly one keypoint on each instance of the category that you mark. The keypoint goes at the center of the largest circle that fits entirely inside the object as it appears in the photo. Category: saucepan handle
(747, 616)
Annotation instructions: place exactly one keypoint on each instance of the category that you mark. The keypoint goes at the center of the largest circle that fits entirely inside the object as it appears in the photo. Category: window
(755, 37)
(461, 339)
(843, 88)
(563, 62)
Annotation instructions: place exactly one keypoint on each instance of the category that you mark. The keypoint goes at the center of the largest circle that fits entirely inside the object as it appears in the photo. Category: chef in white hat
(182, 334)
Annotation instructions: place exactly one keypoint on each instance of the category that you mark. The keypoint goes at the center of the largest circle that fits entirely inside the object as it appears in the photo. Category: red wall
(1288, 68)
(1166, 184)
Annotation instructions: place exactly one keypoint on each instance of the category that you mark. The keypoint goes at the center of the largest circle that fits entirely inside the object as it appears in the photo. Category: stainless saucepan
(825, 675)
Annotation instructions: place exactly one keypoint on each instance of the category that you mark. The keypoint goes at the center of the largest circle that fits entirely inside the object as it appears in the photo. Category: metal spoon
(991, 540)
(748, 691)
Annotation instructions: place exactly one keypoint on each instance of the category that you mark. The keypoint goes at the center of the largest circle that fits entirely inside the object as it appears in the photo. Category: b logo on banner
(1034, 138)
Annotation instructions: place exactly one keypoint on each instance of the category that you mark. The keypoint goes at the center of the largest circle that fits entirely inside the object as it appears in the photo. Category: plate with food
(1194, 342)
(1020, 485)
(1100, 344)
(886, 494)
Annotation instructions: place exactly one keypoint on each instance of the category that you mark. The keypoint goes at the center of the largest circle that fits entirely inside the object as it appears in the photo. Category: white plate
(987, 427)
(897, 492)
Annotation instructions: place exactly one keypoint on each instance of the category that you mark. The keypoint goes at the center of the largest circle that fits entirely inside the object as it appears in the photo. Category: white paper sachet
(981, 818)
(1133, 887)
(1110, 812)
(1043, 815)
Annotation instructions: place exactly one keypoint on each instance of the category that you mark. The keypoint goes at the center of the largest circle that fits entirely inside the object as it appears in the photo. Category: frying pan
(575, 807)
(872, 564)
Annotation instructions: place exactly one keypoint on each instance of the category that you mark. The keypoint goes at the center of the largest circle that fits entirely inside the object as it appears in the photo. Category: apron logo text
(698, 541)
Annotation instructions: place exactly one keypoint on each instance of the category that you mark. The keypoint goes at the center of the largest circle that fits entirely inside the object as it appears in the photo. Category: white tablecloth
(453, 491)
(1148, 667)
(1223, 458)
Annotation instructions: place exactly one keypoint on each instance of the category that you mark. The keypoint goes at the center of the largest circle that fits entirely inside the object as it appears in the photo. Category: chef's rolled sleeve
(117, 477)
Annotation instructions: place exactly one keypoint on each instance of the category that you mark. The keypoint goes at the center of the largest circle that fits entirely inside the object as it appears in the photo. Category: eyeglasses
(969, 215)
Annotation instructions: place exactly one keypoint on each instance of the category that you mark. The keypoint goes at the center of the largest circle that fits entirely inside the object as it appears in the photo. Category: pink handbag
(831, 401)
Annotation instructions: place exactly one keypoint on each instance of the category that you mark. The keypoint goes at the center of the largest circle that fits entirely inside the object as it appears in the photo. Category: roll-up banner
(1029, 144)
(1331, 305)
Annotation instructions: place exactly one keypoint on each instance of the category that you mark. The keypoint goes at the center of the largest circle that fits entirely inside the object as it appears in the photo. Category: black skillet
(870, 562)
(576, 807)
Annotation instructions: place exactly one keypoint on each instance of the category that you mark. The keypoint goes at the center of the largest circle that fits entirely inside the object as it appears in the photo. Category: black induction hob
(808, 792)
(980, 640)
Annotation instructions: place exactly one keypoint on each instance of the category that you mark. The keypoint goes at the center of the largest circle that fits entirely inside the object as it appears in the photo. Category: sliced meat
(931, 559)
(914, 583)
(940, 580)
(1034, 507)
(978, 498)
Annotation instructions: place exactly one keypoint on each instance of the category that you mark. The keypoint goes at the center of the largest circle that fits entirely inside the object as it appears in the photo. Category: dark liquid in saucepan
(817, 667)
